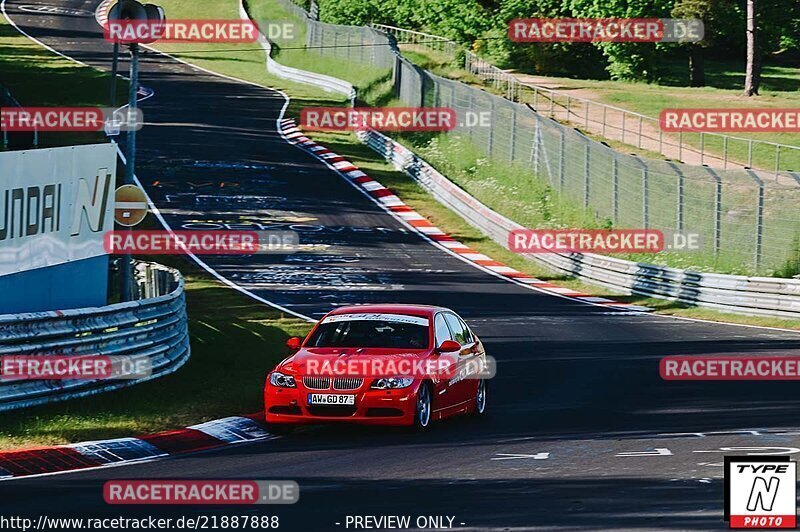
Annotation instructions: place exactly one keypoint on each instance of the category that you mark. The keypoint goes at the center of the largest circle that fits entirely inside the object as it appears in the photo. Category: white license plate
(331, 399)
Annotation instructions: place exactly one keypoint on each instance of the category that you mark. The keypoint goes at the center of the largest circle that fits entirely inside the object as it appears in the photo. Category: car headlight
(392, 383)
(276, 378)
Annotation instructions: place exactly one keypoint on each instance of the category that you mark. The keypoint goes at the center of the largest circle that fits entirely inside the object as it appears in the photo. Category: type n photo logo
(760, 492)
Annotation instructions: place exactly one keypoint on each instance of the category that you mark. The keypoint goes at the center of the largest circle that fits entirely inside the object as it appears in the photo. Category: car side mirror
(449, 346)
(294, 342)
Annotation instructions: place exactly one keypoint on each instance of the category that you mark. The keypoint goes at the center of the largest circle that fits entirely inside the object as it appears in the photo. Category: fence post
(724, 152)
(622, 137)
(717, 208)
(777, 159)
(645, 192)
(490, 141)
(680, 146)
(586, 118)
(640, 132)
(605, 109)
(586, 176)
(759, 218)
(702, 146)
(561, 160)
(614, 188)
(680, 187)
(750, 153)
(513, 150)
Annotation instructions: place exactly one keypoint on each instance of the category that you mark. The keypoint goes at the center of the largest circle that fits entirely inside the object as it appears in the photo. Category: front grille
(317, 383)
(347, 383)
(332, 411)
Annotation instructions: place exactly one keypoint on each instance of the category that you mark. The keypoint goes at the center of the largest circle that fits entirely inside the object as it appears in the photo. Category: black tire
(423, 412)
(481, 398)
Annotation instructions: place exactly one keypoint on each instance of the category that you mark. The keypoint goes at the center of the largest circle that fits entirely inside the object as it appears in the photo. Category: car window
(371, 331)
(441, 330)
(458, 329)
(470, 337)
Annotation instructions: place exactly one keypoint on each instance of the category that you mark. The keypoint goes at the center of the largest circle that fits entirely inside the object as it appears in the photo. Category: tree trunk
(752, 77)
(697, 66)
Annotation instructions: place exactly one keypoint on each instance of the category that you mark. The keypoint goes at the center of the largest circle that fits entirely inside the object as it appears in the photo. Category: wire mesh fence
(615, 123)
(745, 217)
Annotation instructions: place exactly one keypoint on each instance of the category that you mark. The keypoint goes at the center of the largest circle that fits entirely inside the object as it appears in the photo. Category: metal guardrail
(611, 122)
(733, 293)
(327, 83)
(155, 327)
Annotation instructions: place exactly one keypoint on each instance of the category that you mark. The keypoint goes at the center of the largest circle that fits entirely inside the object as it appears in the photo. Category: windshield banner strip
(396, 318)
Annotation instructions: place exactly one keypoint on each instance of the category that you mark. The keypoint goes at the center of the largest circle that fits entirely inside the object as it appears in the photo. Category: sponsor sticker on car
(396, 318)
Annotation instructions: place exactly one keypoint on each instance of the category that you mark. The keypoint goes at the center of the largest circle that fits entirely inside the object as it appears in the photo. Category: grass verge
(235, 341)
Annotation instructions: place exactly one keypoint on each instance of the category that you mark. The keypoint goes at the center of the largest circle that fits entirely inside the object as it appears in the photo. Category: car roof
(414, 310)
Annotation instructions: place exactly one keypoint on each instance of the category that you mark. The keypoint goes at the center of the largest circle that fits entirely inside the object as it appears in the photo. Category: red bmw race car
(379, 365)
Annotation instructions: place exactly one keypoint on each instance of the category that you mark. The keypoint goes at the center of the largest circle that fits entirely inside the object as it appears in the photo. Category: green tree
(626, 61)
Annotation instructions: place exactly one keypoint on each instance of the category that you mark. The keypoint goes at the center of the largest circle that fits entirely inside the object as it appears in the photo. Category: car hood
(299, 362)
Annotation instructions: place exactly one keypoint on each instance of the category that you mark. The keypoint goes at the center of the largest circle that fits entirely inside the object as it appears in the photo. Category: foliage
(482, 26)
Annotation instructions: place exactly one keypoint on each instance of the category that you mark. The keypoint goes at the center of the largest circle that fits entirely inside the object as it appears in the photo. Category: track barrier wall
(154, 326)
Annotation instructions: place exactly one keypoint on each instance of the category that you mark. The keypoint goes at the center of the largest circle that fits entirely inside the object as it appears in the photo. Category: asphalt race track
(581, 430)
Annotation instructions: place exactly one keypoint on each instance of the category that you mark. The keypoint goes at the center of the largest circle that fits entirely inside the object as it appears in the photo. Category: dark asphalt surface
(577, 386)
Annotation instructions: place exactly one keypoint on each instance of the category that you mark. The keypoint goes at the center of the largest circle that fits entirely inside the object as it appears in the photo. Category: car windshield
(372, 330)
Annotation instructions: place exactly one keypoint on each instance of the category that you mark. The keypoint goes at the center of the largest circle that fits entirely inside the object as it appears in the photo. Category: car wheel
(279, 429)
(480, 398)
(422, 416)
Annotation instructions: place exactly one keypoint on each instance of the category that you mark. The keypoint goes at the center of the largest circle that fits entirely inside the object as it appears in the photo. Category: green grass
(235, 341)
(59, 82)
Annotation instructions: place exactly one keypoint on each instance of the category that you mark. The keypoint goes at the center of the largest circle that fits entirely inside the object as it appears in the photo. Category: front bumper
(372, 407)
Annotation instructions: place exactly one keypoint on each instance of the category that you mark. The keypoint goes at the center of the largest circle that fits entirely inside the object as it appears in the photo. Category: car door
(443, 395)
(462, 389)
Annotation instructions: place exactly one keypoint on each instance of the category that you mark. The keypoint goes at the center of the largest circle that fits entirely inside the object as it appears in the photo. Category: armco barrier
(154, 326)
(733, 293)
(327, 83)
